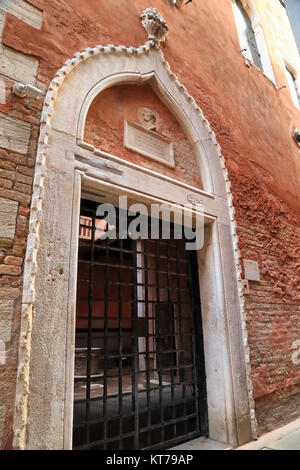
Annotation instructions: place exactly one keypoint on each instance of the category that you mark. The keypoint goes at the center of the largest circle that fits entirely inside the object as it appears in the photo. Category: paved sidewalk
(202, 443)
(285, 438)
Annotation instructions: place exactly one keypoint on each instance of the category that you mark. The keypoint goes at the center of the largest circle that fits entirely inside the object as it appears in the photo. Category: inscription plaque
(148, 143)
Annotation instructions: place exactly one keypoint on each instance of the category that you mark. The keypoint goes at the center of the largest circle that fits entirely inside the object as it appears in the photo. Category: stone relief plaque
(148, 143)
(148, 118)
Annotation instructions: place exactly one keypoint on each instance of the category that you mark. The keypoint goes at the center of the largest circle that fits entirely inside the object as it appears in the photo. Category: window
(291, 78)
(251, 36)
(247, 34)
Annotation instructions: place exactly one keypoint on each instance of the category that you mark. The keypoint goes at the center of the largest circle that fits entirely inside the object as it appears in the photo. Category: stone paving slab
(202, 443)
(284, 438)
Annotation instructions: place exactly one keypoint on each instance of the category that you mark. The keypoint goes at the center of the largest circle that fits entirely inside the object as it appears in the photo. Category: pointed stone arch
(43, 413)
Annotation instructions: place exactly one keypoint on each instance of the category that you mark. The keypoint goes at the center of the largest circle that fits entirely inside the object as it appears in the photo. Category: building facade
(141, 344)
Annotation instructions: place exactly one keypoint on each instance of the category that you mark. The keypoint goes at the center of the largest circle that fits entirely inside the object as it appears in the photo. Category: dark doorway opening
(139, 361)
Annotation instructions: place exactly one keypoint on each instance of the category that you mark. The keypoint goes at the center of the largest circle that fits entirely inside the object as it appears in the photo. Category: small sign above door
(195, 200)
(148, 143)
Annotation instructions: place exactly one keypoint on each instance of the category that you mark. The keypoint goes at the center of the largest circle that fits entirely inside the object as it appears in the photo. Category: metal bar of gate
(170, 346)
(135, 400)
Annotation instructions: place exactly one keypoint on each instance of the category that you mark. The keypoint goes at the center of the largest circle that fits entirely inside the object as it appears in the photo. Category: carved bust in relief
(148, 118)
(154, 24)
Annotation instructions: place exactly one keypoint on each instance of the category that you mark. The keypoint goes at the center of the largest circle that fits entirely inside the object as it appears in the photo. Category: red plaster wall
(105, 128)
(253, 123)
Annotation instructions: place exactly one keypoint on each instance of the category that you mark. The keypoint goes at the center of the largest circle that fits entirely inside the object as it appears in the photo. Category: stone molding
(30, 268)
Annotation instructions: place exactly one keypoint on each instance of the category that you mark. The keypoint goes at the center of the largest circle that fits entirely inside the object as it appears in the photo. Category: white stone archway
(65, 167)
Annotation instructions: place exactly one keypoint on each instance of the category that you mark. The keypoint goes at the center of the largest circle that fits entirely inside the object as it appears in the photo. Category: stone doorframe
(65, 167)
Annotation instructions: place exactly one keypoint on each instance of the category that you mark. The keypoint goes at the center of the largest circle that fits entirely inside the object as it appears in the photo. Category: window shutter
(250, 36)
(253, 47)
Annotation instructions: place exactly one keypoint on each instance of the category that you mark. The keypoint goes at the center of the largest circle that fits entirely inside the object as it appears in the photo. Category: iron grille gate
(139, 365)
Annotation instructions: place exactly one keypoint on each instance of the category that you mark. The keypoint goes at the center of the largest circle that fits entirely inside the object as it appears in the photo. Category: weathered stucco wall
(253, 122)
(105, 128)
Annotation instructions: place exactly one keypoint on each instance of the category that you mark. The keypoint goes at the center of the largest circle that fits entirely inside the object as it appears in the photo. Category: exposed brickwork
(278, 408)
(271, 236)
(8, 365)
(16, 176)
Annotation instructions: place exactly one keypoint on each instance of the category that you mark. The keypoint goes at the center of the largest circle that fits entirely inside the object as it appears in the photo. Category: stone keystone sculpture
(154, 24)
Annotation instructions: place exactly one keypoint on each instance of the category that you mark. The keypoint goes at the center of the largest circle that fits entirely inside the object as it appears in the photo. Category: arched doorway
(68, 168)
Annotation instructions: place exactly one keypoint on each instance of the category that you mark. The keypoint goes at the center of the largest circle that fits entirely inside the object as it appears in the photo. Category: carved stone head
(148, 118)
(154, 24)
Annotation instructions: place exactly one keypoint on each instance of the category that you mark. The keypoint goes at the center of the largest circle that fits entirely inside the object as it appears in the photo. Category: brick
(12, 281)
(13, 260)
(31, 162)
(19, 247)
(20, 106)
(18, 250)
(6, 183)
(24, 211)
(15, 196)
(7, 165)
(12, 270)
(21, 229)
(18, 159)
(32, 120)
(8, 293)
(10, 175)
(23, 188)
(20, 241)
(3, 154)
(23, 179)
(24, 170)
(18, 115)
(37, 104)
(35, 132)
